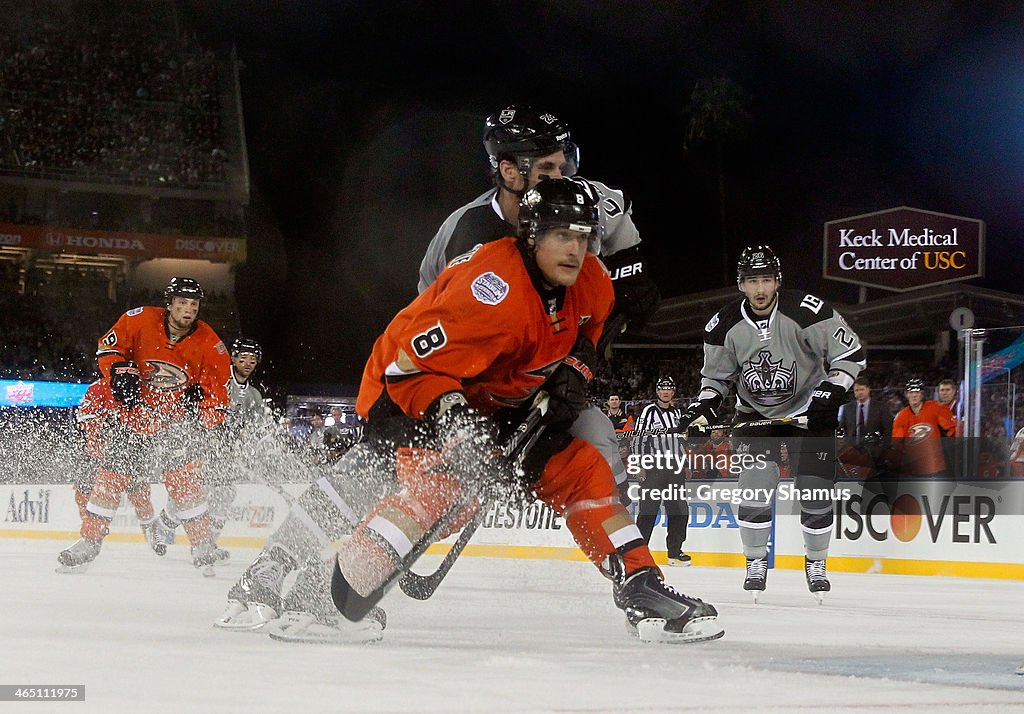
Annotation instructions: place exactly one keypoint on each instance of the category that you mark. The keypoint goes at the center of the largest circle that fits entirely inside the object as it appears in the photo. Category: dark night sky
(363, 124)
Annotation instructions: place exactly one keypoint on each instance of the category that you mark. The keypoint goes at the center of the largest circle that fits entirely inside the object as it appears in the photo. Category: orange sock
(81, 500)
(141, 499)
(577, 482)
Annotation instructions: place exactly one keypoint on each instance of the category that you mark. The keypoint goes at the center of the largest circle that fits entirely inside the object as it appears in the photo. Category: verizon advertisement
(962, 529)
(139, 245)
(904, 248)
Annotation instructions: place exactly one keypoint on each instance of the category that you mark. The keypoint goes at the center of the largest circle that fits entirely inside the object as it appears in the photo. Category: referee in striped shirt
(662, 414)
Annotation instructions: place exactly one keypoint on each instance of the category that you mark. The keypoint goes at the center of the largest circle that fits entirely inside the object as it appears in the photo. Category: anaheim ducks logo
(540, 374)
(769, 383)
(920, 432)
(164, 376)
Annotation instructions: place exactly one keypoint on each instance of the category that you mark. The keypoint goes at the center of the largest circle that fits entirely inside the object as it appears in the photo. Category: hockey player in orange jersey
(460, 365)
(168, 370)
(916, 433)
(100, 416)
(504, 320)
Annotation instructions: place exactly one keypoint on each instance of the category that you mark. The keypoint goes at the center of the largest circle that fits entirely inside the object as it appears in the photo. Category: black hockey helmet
(521, 134)
(665, 382)
(183, 287)
(244, 345)
(914, 385)
(758, 260)
(559, 203)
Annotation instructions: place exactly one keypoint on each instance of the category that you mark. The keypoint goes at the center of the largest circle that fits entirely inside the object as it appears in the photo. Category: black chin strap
(502, 186)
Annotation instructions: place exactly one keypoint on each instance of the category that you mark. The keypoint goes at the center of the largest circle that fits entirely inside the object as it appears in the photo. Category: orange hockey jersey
(916, 437)
(168, 367)
(99, 410)
(484, 329)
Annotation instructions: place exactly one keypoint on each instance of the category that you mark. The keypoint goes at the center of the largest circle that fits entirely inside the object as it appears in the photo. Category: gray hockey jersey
(481, 221)
(244, 398)
(776, 362)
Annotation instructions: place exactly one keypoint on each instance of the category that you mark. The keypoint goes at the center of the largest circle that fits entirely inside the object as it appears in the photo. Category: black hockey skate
(219, 554)
(657, 612)
(204, 555)
(817, 579)
(255, 599)
(757, 576)
(76, 558)
(680, 559)
(310, 616)
(151, 532)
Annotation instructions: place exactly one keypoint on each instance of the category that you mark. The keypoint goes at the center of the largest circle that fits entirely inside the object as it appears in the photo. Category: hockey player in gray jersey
(524, 147)
(245, 407)
(247, 411)
(789, 354)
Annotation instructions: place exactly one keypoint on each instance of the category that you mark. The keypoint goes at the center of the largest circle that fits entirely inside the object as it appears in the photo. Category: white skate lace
(757, 568)
(816, 569)
(672, 591)
(269, 574)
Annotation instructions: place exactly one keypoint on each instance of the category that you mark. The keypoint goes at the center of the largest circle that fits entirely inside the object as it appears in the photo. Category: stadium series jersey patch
(489, 289)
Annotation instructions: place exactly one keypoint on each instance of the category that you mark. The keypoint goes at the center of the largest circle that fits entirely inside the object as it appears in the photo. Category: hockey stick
(800, 422)
(355, 606)
(421, 587)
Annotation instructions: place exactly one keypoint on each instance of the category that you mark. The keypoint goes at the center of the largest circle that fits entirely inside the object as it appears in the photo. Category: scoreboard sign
(904, 249)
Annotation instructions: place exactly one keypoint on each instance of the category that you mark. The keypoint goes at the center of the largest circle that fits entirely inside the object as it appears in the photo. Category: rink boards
(963, 529)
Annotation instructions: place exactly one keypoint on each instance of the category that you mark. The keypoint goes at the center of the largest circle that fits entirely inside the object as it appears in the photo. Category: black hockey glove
(636, 294)
(567, 388)
(823, 412)
(700, 413)
(125, 383)
(467, 439)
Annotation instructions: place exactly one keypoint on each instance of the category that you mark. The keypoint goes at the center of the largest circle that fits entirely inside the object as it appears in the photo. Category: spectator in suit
(866, 426)
(949, 397)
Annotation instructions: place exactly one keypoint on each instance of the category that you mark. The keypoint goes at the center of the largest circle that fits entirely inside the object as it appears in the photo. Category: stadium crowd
(142, 106)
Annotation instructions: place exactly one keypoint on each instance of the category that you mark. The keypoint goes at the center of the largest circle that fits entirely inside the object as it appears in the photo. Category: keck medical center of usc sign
(904, 248)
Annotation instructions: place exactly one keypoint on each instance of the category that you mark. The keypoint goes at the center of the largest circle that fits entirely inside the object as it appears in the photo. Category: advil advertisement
(915, 527)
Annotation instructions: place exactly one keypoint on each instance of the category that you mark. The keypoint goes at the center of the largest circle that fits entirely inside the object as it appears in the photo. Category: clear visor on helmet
(593, 233)
(569, 166)
(572, 159)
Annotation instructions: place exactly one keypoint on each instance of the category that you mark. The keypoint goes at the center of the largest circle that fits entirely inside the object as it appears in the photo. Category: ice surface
(509, 636)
